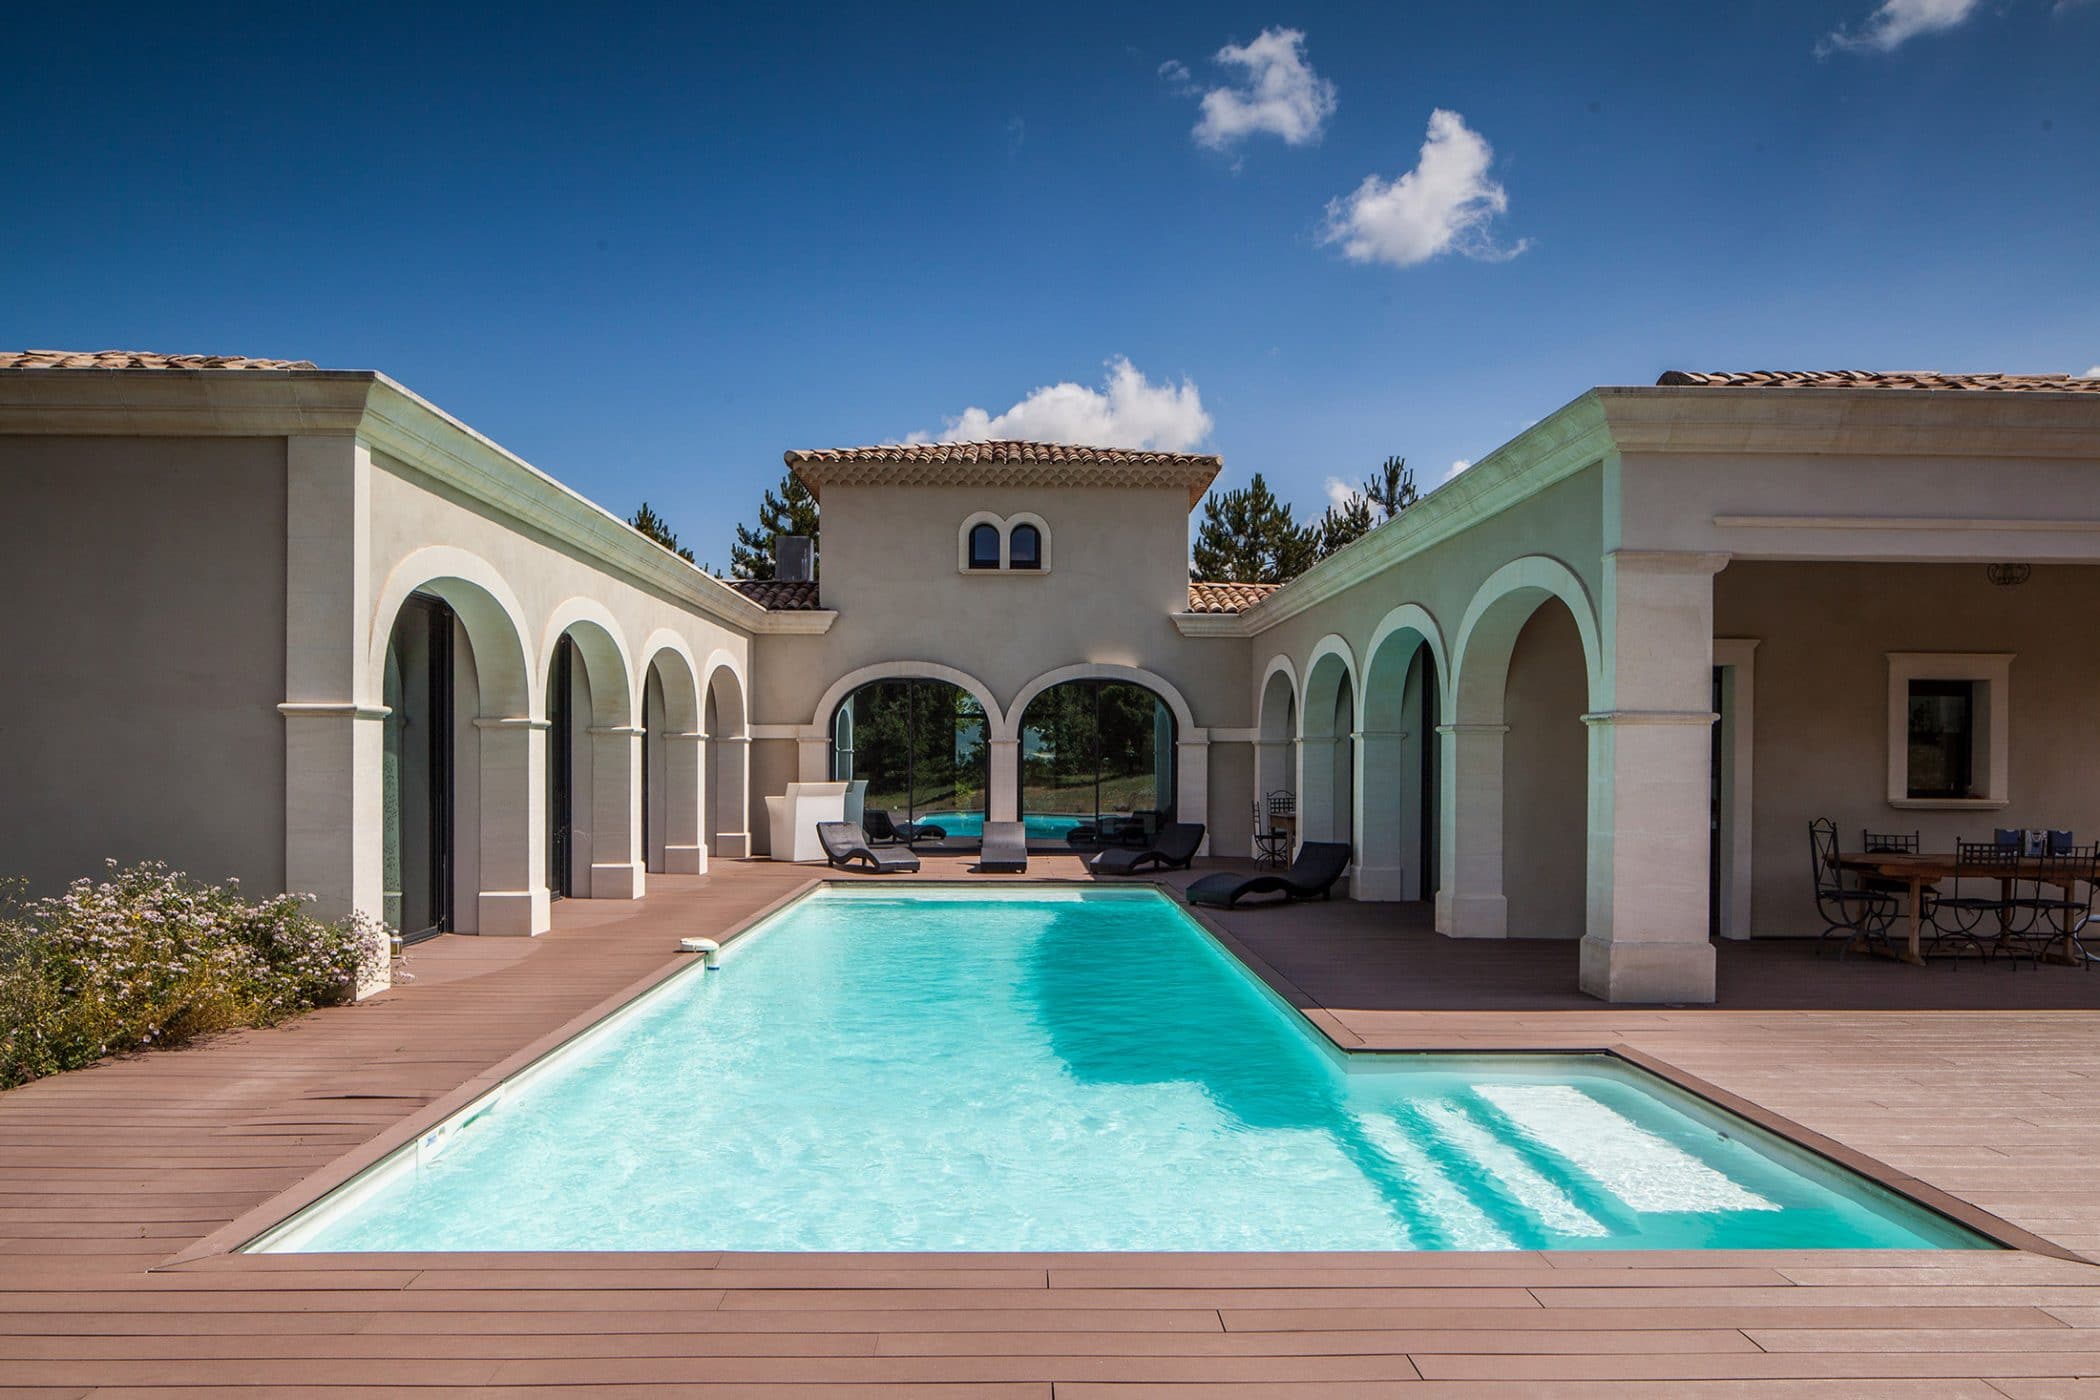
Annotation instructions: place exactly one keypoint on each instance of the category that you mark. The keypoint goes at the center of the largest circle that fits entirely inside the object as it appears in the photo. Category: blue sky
(650, 250)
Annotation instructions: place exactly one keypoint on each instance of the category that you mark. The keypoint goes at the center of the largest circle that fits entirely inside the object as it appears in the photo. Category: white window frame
(1005, 526)
(1992, 673)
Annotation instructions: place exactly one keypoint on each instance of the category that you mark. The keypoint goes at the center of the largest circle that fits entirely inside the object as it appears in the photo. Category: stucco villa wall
(1563, 522)
(1821, 702)
(889, 568)
(144, 580)
(410, 511)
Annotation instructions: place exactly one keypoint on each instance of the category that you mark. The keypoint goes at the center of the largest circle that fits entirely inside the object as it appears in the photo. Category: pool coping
(224, 1246)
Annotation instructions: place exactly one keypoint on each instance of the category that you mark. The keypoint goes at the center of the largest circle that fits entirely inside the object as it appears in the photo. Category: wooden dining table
(1919, 869)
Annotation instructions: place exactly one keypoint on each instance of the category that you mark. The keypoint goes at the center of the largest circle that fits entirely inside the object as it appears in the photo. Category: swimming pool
(937, 1068)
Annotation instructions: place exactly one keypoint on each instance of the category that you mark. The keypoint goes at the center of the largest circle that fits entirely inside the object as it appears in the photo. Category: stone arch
(725, 718)
(1471, 897)
(1326, 742)
(1159, 685)
(1396, 813)
(604, 777)
(498, 850)
(845, 685)
(1276, 738)
(673, 756)
(1191, 758)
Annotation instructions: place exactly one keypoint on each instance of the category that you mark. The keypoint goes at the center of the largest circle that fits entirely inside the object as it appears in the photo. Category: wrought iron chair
(2051, 910)
(1896, 843)
(1272, 844)
(1851, 912)
(1982, 921)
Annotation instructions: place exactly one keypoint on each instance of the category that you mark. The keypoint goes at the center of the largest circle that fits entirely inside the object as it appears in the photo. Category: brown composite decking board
(109, 1174)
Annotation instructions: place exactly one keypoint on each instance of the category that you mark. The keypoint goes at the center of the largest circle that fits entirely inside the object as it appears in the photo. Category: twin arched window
(997, 544)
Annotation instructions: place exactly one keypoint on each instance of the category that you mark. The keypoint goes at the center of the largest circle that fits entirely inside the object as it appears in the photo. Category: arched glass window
(984, 546)
(1097, 763)
(922, 746)
(1024, 548)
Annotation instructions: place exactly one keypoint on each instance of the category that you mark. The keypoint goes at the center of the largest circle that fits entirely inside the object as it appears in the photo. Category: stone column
(333, 825)
(618, 870)
(731, 756)
(1192, 782)
(513, 899)
(685, 780)
(812, 758)
(1469, 898)
(1380, 754)
(1316, 787)
(1650, 755)
(1003, 802)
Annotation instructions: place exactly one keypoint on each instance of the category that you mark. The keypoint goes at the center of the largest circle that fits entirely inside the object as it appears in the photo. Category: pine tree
(790, 510)
(1248, 536)
(653, 525)
(1384, 495)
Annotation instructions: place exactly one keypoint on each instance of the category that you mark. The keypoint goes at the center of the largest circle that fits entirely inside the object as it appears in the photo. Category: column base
(1376, 883)
(625, 880)
(685, 860)
(1683, 972)
(1472, 915)
(514, 913)
(733, 845)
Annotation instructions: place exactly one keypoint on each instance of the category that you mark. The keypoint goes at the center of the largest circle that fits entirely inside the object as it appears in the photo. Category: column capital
(1463, 729)
(1670, 561)
(1616, 717)
(631, 731)
(522, 722)
(1378, 733)
(331, 709)
(730, 738)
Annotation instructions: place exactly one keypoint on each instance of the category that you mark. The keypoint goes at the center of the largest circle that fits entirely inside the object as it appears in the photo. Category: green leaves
(790, 510)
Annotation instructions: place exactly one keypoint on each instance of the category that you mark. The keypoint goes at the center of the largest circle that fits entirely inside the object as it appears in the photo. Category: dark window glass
(1100, 755)
(1025, 549)
(921, 745)
(984, 547)
(1942, 739)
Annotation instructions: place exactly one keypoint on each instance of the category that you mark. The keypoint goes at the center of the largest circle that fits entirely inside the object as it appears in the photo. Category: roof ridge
(1982, 381)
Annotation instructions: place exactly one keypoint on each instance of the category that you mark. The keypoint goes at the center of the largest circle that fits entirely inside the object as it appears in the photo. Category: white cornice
(1854, 422)
(1195, 624)
(1559, 446)
(423, 436)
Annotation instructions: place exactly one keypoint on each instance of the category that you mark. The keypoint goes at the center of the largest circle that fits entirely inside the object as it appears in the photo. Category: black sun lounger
(845, 844)
(1172, 850)
(1005, 849)
(885, 830)
(1311, 876)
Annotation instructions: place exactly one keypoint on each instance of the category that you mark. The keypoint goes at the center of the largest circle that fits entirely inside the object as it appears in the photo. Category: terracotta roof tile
(777, 595)
(1884, 379)
(1004, 463)
(1227, 597)
(136, 359)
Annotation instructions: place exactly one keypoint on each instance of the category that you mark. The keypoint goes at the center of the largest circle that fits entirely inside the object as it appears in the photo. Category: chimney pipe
(794, 558)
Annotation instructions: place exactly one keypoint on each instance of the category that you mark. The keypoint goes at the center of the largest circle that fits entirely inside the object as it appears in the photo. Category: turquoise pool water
(945, 1069)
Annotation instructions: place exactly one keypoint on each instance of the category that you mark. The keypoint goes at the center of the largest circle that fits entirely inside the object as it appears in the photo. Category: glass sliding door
(921, 747)
(1097, 763)
(417, 771)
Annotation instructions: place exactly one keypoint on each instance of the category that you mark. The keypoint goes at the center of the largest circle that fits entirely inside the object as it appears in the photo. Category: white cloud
(1456, 467)
(2093, 373)
(1339, 492)
(1443, 205)
(1277, 92)
(1895, 22)
(1128, 410)
(1176, 75)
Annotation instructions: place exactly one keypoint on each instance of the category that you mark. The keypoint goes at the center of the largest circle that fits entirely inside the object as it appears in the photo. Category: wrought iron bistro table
(1919, 869)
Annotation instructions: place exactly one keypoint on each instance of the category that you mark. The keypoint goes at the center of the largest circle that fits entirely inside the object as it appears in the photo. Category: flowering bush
(149, 957)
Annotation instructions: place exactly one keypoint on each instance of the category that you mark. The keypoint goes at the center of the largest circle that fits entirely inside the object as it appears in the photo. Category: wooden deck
(109, 1174)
